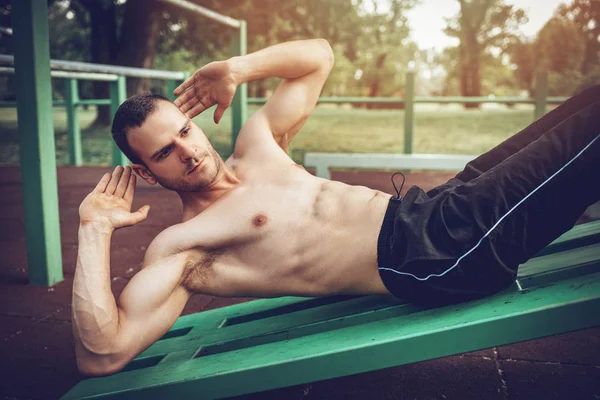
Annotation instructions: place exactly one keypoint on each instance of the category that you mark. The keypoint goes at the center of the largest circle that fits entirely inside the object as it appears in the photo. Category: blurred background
(490, 48)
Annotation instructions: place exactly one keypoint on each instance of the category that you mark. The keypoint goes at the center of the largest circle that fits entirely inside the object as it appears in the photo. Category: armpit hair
(198, 269)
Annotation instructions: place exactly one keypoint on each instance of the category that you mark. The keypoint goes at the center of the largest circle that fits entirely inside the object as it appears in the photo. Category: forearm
(95, 313)
(286, 60)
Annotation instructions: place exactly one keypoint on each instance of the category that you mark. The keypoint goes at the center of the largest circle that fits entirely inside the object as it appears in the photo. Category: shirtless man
(258, 225)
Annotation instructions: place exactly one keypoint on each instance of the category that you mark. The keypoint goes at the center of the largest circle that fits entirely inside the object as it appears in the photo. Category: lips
(196, 167)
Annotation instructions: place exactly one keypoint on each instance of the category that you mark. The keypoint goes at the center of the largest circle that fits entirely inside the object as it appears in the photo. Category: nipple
(397, 197)
(259, 220)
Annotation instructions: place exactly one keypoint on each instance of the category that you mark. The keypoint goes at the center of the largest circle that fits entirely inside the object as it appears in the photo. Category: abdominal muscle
(299, 235)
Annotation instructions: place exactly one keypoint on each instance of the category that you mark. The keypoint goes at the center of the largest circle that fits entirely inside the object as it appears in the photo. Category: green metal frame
(541, 100)
(239, 104)
(37, 148)
(273, 343)
(322, 162)
(409, 116)
(74, 130)
(118, 94)
(541, 94)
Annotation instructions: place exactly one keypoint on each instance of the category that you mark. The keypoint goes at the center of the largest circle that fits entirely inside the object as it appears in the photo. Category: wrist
(96, 227)
(236, 70)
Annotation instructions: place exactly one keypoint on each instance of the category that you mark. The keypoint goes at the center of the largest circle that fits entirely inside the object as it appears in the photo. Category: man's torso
(283, 231)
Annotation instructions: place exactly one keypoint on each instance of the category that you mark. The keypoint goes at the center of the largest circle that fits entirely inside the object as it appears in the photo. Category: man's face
(175, 150)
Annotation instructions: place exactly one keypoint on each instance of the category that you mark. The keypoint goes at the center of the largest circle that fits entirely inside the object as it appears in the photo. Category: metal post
(239, 105)
(118, 94)
(409, 105)
(541, 94)
(173, 83)
(171, 86)
(36, 133)
(74, 131)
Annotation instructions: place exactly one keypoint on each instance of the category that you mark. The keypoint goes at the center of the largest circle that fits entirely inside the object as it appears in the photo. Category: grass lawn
(441, 129)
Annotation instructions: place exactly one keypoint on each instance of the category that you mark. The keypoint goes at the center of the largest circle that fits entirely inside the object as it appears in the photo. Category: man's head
(164, 145)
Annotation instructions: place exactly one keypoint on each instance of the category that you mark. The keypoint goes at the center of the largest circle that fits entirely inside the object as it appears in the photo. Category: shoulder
(256, 141)
(163, 246)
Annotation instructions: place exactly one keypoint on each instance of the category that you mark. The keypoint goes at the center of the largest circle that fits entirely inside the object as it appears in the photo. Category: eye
(164, 153)
(185, 132)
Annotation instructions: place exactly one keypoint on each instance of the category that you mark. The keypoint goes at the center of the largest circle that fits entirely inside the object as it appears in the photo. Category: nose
(188, 152)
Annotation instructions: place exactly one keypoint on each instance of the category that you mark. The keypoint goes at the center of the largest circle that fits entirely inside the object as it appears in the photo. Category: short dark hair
(131, 114)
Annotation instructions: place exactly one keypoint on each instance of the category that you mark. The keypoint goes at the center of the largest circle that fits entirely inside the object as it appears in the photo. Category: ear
(144, 173)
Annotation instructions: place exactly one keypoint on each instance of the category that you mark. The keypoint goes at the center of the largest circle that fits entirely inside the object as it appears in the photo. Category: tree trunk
(471, 16)
(104, 50)
(590, 60)
(375, 86)
(471, 69)
(139, 34)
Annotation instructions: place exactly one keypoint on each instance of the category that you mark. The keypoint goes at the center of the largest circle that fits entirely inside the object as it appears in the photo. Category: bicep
(285, 112)
(149, 305)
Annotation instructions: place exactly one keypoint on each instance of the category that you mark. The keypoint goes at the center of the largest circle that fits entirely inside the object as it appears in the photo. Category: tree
(480, 26)
(121, 34)
(524, 57)
(585, 14)
(559, 49)
(383, 50)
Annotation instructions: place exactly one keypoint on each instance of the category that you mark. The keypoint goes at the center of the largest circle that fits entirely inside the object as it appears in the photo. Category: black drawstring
(398, 197)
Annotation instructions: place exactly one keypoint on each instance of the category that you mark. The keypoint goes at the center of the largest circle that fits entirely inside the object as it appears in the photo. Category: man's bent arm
(95, 313)
(109, 334)
(289, 60)
(304, 65)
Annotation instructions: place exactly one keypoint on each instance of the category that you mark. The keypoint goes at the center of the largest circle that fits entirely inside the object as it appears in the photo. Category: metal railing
(72, 72)
(116, 76)
(540, 101)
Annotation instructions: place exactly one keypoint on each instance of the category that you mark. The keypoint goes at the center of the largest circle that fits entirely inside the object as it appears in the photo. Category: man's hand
(109, 204)
(212, 84)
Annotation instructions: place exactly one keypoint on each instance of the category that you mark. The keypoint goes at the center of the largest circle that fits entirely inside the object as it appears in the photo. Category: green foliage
(486, 30)
(567, 46)
(560, 47)
(585, 14)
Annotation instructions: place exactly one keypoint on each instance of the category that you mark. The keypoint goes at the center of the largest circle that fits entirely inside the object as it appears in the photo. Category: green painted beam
(95, 102)
(409, 114)
(170, 86)
(272, 343)
(36, 133)
(541, 94)
(73, 128)
(239, 105)
(118, 94)
(421, 100)
(63, 103)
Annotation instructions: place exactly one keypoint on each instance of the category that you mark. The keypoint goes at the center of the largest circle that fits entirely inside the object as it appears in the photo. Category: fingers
(130, 192)
(101, 186)
(196, 110)
(185, 97)
(114, 180)
(140, 214)
(123, 182)
(219, 112)
(189, 104)
(189, 82)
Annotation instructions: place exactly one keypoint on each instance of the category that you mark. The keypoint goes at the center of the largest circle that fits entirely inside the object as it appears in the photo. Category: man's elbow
(100, 365)
(96, 368)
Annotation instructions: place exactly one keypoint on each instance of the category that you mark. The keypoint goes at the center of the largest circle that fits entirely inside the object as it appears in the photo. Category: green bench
(273, 343)
(322, 162)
